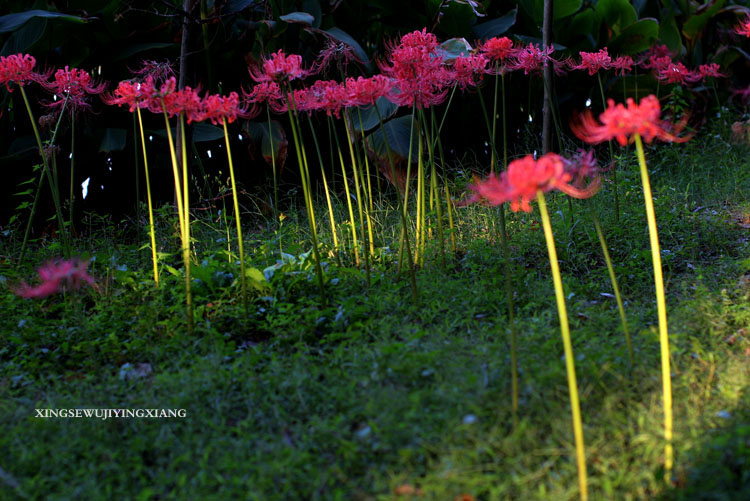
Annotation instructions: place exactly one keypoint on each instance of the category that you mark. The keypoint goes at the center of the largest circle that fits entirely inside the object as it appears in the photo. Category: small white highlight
(239, 136)
(70, 157)
(588, 103)
(150, 138)
(208, 152)
(85, 188)
(530, 118)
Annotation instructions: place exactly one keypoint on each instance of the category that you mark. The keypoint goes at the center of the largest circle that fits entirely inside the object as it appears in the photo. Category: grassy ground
(373, 397)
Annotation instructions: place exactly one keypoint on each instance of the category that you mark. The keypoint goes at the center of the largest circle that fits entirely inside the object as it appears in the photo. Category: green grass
(369, 392)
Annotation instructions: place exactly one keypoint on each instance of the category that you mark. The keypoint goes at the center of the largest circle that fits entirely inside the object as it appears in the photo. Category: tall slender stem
(575, 405)
(661, 306)
(186, 220)
(611, 153)
(50, 178)
(352, 223)
(325, 186)
(240, 245)
(152, 233)
(72, 167)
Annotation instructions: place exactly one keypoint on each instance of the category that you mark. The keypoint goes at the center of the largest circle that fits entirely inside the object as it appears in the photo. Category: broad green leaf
(299, 18)
(370, 114)
(206, 132)
(113, 140)
(636, 38)
(456, 19)
(669, 33)
(583, 23)
(565, 8)
(497, 26)
(139, 47)
(397, 133)
(342, 36)
(23, 39)
(618, 14)
(453, 48)
(10, 22)
(697, 22)
(259, 133)
(234, 6)
(313, 8)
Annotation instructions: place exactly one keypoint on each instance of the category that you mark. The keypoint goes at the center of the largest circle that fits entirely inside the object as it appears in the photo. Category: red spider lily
(659, 64)
(175, 102)
(416, 70)
(469, 70)
(677, 73)
(498, 49)
(710, 70)
(532, 59)
(334, 51)
(583, 166)
(332, 96)
(159, 71)
(218, 108)
(524, 178)
(127, 92)
(622, 65)
(73, 84)
(365, 91)
(58, 276)
(279, 68)
(653, 54)
(622, 123)
(594, 61)
(743, 28)
(266, 92)
(19, 69)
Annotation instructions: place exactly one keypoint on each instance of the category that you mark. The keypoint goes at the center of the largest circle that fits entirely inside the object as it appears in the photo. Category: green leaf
(23, 39)
(397, 133)
(259, 133)
(583, 23)
(453, 48)
(456, 19)
(139, 47)
(565, 8)
(370, 114)
(203, 133)
(10, 22)
(618, 14)
(636, 38)
(497, 26)
(299, 18)
(235, 6)
(344, 37)
(669, 33)
(114, 140)
(695, 24)
(313, 7)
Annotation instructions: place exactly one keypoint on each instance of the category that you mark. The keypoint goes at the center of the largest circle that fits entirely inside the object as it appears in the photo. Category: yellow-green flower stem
(421, 219)
(72, 167)
(151, 231)
(405, 207)
(434, 190)
(505, 130)
(273, 165)
(366, 175)
(367, 166)
(615, 287)
(240, 245)
(186, 219)
(661, 306)
(184, 236)
(450, 218)
(305, 176)
(53, 185)
(332, 220)
(348, 196)
(402, 213)
(611, 153)
(494, 127)
(570, 368)
(357, 190)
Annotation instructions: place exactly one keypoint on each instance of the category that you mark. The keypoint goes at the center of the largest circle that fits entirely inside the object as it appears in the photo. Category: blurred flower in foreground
(58, 276)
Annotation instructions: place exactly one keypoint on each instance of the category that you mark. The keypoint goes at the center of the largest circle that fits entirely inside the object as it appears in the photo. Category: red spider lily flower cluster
(498, 49)
(417, 71)
(743, 28)
(622, 65)
(677, 73)
(158, 71)
(268, 93)
(279, 68)
(74, 85)
(365, 91)
(593, 61)
(524, 178)
(58, 276)
(623, 122)
(469, 70)
(532, 59)
(710, 70)
(218, 109)
(18, 69)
